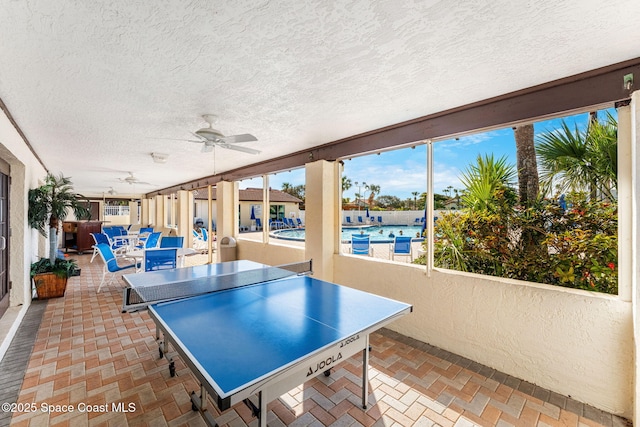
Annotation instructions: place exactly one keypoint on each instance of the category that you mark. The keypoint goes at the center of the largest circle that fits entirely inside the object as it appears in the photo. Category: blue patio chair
(300, 224)
(360, 221)
(153, 240)
(401, 246)
(160, 259)
(171, 242)
(98, 238)
(417, 221)
(116, 241)
(258, 224)
(349, 220)
(276, 224)
(379, 220)
(291, 222)
(143, 233)
(111, 266)
(361, 244)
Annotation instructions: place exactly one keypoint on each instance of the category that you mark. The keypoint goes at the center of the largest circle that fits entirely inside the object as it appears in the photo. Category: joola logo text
(324, 364)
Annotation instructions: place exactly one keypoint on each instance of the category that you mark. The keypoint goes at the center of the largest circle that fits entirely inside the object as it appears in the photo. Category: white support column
(625, 206)
(227, 199)
(266, 208)
(159, 219)
(185, 216)
(133, 213)
(144, 213)
(321, 216)
(635, 246)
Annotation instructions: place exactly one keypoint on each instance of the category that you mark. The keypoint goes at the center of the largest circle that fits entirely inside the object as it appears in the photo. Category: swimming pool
(378, 233)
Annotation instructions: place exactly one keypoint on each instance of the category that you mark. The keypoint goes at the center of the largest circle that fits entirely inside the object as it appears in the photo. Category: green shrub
(576, 248)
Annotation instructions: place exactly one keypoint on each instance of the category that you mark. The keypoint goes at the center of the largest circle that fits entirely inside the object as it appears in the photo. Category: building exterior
(281, 205)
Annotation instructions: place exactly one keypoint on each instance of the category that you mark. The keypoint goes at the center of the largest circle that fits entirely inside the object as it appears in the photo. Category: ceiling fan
(133, 180)
(212, 138)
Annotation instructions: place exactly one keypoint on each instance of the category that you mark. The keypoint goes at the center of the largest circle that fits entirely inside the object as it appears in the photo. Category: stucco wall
(270, 254)
(25, 244)
(572, 342)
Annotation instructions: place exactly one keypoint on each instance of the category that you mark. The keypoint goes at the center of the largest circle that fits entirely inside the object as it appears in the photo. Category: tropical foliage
(50, 204)
(296, 191)
(575, 160)
(578, 247)
(487, 179)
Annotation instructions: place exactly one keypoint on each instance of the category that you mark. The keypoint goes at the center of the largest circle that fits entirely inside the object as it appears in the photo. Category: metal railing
(116, 211)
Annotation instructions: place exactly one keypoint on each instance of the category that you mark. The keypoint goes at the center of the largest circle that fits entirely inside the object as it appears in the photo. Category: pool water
(378, 233)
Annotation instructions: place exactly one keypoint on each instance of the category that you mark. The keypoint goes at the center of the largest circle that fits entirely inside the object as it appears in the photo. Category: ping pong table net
(139, 297)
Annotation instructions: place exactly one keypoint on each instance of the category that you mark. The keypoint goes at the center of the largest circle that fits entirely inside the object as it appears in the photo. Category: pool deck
(380, 250)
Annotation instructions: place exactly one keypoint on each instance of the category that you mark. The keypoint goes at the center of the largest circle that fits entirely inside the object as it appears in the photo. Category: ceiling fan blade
(181, 140)
(245, 137)
(200, 138)
(239, 148)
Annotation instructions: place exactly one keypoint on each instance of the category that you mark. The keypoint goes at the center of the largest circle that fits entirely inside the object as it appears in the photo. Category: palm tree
(485, 180)
(528, 183)
(346, 183)
(49, 204)
(375, 190)
(415, 199)
(580, 160)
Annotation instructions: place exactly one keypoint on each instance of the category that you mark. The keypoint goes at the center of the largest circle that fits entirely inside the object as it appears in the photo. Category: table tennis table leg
(199, 403)
(365, 373)
(262, 418)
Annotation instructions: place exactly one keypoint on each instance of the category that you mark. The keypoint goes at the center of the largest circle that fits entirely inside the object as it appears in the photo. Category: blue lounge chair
(258, 224)
(153, 240)
(300, 224)
(401, 246)
(171, 242)
(111, 266)
(361, 244)
(379, 220)
(360, 221)
(143, 233)
(160, 259)
(98, 238)
(349, 220)
(117, 242)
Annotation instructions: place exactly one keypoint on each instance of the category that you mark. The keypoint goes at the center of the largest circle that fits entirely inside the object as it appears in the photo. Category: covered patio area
(104, 365)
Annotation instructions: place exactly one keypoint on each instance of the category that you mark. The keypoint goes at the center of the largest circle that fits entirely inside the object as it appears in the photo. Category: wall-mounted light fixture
(627, 81)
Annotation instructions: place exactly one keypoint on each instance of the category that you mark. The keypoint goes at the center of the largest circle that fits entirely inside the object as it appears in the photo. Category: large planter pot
(49, 285)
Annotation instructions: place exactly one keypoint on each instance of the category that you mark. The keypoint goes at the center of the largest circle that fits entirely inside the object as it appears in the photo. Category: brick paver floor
(104, 365)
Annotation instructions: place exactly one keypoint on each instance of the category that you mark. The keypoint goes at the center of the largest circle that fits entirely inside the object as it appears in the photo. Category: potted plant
(49, 204)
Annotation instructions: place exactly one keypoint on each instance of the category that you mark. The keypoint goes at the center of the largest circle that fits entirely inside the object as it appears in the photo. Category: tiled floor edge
(563, 402)
(14, 363)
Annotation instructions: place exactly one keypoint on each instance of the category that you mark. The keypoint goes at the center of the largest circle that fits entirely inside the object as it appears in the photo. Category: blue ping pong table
(254, 343)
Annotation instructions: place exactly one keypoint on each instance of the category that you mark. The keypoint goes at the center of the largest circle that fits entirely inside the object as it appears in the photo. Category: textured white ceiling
(95, 86)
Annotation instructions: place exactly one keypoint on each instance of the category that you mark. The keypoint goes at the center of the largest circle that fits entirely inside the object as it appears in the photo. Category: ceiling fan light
(159, 157)
(209, 134)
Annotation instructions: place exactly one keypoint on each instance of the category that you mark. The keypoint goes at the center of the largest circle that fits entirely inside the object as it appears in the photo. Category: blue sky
(401, 172)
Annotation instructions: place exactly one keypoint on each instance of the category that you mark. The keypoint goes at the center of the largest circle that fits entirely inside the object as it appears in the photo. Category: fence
(388, 217)
(116, 210)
